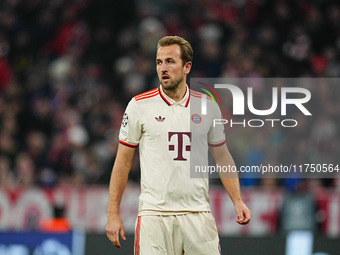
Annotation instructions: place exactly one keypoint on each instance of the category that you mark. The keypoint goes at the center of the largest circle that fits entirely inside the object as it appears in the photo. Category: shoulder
(198, 94)
(210, 102)
(146, 95)
(139, 101)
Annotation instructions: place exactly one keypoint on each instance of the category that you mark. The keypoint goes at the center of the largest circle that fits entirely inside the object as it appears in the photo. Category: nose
(163, 67)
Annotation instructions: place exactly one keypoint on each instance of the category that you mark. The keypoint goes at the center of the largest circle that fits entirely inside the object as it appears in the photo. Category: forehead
(172, 51)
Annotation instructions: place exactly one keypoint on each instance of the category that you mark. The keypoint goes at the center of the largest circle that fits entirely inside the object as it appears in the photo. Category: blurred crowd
(69, 67)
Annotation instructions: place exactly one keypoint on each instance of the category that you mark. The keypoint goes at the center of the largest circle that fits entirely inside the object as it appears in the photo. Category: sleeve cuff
(128, 144)
(217, 144)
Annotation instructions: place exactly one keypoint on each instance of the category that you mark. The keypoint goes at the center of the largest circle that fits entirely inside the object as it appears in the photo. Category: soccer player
(174, 215)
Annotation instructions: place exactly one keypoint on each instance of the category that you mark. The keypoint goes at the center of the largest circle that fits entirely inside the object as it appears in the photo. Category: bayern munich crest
(196, 118)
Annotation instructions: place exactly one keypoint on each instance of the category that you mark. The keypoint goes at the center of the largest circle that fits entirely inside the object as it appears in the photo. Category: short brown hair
(186, 50)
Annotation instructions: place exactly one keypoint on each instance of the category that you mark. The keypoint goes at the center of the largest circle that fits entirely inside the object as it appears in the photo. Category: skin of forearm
(232, 186)
(119, 178)
(116, 190)
(230, 181)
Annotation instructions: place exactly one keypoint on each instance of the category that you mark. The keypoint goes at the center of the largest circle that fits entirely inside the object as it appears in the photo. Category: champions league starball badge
(125, 120)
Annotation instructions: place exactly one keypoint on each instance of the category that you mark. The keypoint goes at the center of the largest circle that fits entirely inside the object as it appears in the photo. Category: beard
(172, 85)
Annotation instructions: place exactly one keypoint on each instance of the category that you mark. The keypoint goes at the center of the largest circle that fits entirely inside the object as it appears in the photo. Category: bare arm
(231, 183)
(119, 177)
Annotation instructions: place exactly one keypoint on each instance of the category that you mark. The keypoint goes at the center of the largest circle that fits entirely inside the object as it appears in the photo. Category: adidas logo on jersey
(160, 118)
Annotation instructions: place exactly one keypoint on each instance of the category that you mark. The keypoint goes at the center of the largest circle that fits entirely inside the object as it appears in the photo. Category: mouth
(165, 77)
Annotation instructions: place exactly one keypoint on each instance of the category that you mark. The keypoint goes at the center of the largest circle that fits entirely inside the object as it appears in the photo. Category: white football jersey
(166, 131)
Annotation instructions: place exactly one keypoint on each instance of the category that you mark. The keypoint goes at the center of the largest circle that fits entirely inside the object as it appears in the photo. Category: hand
(115, 226)
(243, 213)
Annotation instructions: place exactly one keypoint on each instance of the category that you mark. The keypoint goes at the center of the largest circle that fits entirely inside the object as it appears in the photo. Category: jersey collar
(169, 101)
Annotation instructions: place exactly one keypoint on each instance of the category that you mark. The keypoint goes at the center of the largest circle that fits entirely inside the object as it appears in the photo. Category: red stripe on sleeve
(127, 144)
(217, 144)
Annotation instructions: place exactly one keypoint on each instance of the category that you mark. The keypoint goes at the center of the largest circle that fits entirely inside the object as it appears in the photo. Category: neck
(178, 93)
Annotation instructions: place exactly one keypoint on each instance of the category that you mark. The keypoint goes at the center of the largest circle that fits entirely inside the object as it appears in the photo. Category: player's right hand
(114, 226)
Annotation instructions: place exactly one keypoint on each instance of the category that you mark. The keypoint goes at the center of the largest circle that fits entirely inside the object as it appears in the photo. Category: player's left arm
(231, 182)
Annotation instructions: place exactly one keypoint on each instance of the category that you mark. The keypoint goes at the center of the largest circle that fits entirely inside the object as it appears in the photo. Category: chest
(158, 121)
(162, 122)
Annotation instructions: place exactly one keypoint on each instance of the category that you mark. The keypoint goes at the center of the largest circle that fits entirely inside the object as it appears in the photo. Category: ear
(187, 67)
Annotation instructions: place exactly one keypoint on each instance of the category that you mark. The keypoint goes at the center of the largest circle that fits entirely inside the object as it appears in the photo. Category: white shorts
(184, 234)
